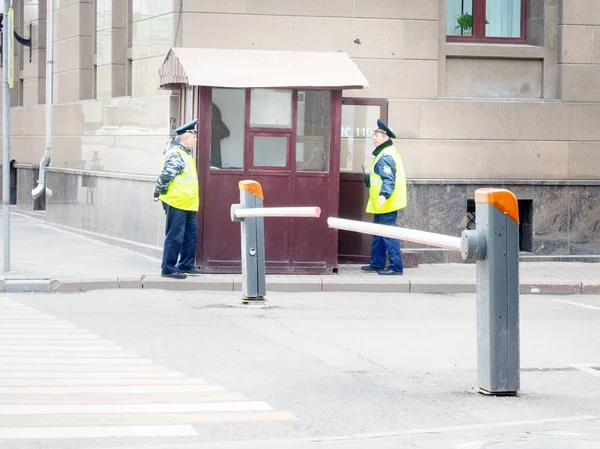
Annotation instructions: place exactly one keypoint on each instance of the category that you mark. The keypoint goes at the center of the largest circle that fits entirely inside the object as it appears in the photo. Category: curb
(288, 284)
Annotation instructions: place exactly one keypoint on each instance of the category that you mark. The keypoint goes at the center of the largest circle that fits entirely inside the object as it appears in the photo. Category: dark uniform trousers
(381, 245)
(180, 240)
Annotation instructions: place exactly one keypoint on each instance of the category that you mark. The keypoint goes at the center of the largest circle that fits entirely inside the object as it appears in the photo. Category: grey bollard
(253, 242)
(495, 246)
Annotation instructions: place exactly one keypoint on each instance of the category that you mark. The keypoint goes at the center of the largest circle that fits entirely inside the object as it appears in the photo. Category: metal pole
(6, 138)
(279, 212)
(411, 235)
(41, 190)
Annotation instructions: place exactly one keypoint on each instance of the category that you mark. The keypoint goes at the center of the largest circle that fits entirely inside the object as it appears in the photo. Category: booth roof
(260, 68)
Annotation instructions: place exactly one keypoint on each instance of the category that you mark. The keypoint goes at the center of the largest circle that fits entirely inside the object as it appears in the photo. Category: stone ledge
(592, 288)
(378, 284)
(130, 282)
(442, 287)
(550, 288)
(224, 283)
(27, 286)
(83, 285)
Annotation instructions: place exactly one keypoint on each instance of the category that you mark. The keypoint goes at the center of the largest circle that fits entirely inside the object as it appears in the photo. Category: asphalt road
(156, 369)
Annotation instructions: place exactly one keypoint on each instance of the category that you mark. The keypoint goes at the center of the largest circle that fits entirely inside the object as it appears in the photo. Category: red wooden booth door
(288, 141)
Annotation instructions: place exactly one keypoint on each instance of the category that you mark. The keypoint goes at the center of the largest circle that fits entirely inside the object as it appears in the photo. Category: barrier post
(253, 242)
(494, 245)
(250, 214)
(498, 360)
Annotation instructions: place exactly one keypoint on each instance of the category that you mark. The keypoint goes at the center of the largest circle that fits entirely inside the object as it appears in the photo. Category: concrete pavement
(145, 369)
(45, 258)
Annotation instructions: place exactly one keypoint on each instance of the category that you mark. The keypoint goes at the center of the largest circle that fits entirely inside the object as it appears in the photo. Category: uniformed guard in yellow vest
(177, 189)
(387, 195)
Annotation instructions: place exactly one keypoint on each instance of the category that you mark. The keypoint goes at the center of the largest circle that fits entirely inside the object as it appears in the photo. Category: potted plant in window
(465, 23)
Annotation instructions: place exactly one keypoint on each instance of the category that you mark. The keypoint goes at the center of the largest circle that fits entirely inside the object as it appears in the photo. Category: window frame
(478, 36)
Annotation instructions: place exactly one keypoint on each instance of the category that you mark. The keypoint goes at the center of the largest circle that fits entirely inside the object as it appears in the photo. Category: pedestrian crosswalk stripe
(75, 361)
(45, 336)
(98, 382)
(99, 375)
(34, 330)
(36, 433)
(33, 367)
(7, 342)
(143, 419)
(100, 389)
(79, 409)
(106, 354)
(60, 381)
(8, 347)
(122, 399)
(38, 326)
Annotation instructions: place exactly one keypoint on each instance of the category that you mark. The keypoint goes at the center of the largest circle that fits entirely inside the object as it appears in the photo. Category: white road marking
(578, 304)
(80, 368)
(37, 326)
(158, 389)
(36, 433)
(8, 342)
(62, 409)
(4, 361)
(587, 368)
(47, 335)
(7, 347)
(92, 382)
(70, 355)
(45, 374)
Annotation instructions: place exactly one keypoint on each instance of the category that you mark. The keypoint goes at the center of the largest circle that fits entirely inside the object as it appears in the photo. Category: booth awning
(260, 68)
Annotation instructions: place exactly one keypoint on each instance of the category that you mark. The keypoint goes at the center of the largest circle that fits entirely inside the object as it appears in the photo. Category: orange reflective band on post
(502, 199)
(252, 187)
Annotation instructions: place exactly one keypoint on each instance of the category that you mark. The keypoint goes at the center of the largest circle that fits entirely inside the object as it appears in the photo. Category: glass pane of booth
(270, 151)
(271, 108)
(358, 123)
(312, 139)
(228, 128)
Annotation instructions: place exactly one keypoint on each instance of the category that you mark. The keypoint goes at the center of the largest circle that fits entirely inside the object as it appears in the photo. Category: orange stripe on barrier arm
(252, 187)
(502, 199)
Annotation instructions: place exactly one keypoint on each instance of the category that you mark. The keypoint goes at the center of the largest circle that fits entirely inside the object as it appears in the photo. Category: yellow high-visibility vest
(183, 191)
(397, 200)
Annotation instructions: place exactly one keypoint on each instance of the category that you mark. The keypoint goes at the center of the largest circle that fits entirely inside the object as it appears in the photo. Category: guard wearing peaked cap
(177, 189)
(387, 195)
(187, 128)
(382, 128)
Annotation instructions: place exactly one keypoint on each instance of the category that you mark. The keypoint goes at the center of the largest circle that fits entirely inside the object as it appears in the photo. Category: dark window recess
(526, 225)
(470, 214)
(525, 222)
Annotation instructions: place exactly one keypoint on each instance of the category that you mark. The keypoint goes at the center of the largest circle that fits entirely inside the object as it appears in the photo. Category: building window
(502, 21)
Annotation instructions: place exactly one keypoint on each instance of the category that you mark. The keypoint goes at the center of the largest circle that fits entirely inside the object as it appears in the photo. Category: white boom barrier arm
(278, 212)
(411, 235)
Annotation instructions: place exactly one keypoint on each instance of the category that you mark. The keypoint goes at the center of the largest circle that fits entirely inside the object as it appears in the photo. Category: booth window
(359, 119)
(312, 131)
(271, 108)
(228, 128)
(270, 151)
(501, 21)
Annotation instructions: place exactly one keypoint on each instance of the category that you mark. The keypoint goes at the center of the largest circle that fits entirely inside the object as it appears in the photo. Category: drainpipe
(37, 192)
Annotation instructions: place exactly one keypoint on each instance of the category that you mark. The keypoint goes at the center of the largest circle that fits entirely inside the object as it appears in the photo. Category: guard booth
(274, 117)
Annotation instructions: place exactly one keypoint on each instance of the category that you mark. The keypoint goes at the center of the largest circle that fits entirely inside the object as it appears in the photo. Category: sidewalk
(45, 258)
